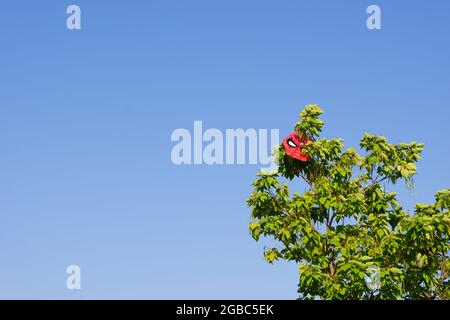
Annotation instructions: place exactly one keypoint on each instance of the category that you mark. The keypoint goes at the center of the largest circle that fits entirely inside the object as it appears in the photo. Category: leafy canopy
(351, 237)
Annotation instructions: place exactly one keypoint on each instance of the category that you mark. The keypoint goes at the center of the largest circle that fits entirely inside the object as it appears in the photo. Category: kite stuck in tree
(329, 209)
(293, 145)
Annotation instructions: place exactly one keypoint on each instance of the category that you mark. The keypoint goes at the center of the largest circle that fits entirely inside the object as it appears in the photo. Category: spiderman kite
(293, 145)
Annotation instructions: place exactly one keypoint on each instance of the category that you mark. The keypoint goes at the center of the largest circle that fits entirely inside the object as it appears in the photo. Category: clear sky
(86, 117)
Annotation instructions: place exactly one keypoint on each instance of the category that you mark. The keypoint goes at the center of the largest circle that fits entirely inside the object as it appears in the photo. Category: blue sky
(86, 117)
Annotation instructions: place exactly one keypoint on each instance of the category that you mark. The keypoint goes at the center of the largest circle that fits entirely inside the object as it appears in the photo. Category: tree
(350, 236)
